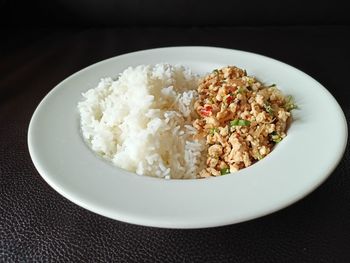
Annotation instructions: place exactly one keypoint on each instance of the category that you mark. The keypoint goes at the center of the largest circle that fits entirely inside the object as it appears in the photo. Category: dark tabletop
(38, 224)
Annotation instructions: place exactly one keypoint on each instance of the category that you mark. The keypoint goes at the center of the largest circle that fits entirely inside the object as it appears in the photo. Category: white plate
(302, 161)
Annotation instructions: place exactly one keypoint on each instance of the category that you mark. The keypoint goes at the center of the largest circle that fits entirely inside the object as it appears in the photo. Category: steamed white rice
(142, 121)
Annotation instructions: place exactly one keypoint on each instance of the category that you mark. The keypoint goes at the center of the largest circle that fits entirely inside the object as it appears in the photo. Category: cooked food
(164, 121)
(142, 121)
(240, 118)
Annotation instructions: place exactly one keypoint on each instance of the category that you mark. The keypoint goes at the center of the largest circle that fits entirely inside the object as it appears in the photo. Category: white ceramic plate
(302, 161)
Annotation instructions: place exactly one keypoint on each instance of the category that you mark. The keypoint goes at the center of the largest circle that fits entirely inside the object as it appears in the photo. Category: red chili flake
(206, 110)
(229, 99)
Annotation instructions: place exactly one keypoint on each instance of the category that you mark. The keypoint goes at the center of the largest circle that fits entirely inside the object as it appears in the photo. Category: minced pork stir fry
(240, 118)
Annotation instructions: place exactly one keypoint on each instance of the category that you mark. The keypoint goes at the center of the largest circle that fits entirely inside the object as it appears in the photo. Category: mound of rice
(142, 121)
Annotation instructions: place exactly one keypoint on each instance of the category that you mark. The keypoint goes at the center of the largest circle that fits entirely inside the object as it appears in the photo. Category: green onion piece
(240, 90)
(275, 137)
(239, 122)
(234, 123)
(290, 105)
(244, 123)
(225, 171)
(272, 85)
(213, 130)
(216, 71)
(251, 81)
(268, 108)
(211, 100)
(259, 156)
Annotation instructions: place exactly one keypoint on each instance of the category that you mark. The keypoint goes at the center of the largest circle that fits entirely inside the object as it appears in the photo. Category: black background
(43, 42)
(174, 13)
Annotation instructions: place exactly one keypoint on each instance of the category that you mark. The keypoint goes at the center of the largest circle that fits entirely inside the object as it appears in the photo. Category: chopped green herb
(211, 100)
(225, 171)
(275, 137)
(272, 85)
(290, 105)
(251, 81)
(268, 108)
(259, 156)
(224, 105)
(213, 130)
(239, 122)
(216, 71)
(240, 90)
(234, 123)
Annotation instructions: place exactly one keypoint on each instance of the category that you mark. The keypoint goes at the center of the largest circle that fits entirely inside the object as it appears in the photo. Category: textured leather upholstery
(39, 225)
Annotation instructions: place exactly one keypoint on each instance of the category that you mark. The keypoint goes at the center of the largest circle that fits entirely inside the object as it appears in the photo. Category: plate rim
(139, 221)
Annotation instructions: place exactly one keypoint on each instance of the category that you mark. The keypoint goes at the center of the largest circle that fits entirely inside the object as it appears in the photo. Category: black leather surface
(39, 225)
